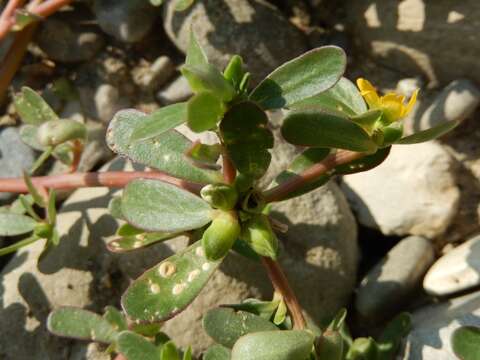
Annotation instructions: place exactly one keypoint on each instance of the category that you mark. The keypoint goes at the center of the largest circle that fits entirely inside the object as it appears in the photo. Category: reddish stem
(281, 285)
(113, 179)
(77, 155)
(229, 171)
(341, 157)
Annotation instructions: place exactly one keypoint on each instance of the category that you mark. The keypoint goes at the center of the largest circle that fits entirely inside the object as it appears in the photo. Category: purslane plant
(211, 194)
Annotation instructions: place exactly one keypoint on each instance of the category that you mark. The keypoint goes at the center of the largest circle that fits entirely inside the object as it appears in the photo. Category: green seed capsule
(55, 132)
(220, 235)
(258, 233)
(43, 230)
(220, 196)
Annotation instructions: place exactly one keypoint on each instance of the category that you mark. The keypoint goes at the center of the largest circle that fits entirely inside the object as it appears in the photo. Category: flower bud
(43, 230)
(258, 233)
(220, 235)
(54, 132)
(220, 196)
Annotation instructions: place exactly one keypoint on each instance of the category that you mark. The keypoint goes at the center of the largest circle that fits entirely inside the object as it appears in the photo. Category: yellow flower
(391, 104)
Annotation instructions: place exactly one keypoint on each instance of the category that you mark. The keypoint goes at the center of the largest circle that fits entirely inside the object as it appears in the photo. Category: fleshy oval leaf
(32, 109)
(316, 128)
(226, 326)
(136, 347)
(164, 152)
(166, 289)
(429, 134)
(157, 206)
(303, 77)
(217, 352)
(81, 324)
(15, 224)
(466, 342)
(274, 345)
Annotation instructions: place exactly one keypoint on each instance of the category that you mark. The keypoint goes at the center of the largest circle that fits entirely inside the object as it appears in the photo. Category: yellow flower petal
(392, 109)
(369, 93)
(365, 85)
(411, 103)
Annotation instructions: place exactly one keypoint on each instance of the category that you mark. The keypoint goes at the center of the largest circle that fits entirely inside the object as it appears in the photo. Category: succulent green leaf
(368, 119)
(115, 208)
(362, 349)
(150, 330)
(159, 121)
(55, 132)
(301, 78)
(27, 204)
(169, 352)
(330, 346)
(257, 232)
(466, 342)
(391, 134)
(280, 314)
(15, 224)
(247, 138)
(220, 196)
(166, 289)
(316, 128)
(164, 152)
(80, 324)
(28, 134)
(226, 326)
(343, 97)
(20, 205)
(264, 309)
(429, 134)
(187, 355)
(217, 352)
(204, 155)
(157, 206)
(234, 71)
(392, 335)
(31, 108)
(136, 347)
(204, 110)
(208, 78)
(274, 345)
(115, 318)
(181, 5)
(195, 54)
(302, 162)
(365, 163)
(138, 241)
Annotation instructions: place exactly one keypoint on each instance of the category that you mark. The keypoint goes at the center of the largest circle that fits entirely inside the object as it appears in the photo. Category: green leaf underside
(15, 224)
(115, 208)
(344, 97)
(466, 342)
(164, 152)
(247, 138)
(429, 134)
(160, 121)
(136, 347)
(274, 345)
(157, 206)
(166, 289)
(217, 352)
(139, 241)
(204, 110)
(303, 77)
(316, 128)
(32, 109)
(81, 324)
(364, 164)
(195, 54)
(226, 326)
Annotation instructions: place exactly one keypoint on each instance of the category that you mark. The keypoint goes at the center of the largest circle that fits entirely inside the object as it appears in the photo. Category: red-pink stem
(341, 157)
(112, 179)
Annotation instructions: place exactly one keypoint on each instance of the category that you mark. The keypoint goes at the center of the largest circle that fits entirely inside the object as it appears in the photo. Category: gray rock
(177, 90)
(390, 284)
(151, 77)
(456, 102)
(255, 30)
(69, 42)
(15, 157)
(406, 36)
(412, 192)
(126, 20)
(456, 271)
(434, 325)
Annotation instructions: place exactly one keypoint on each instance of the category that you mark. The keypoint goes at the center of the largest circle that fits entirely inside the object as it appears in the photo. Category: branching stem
(281, 285)
(113, 179)
(281, 191)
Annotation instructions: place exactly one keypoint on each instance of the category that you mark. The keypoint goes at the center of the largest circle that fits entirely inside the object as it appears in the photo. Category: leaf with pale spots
(168, 288)
(165, 152)
(31, 108)
(153, 205)
(81, 324)
(138, 241)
